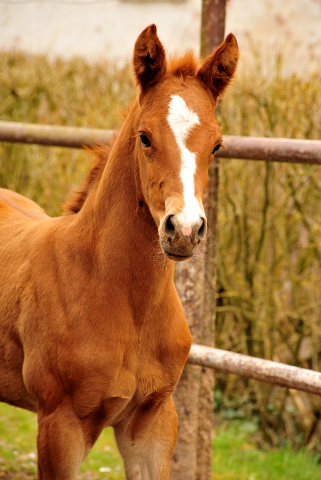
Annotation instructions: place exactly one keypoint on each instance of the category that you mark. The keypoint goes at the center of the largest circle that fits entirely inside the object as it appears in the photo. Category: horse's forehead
(181, 118)
(196, 100)
(191, 94)
(182, 108)
(188, 113)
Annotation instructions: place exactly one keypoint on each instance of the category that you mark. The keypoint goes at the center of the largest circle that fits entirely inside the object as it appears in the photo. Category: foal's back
(19, 204)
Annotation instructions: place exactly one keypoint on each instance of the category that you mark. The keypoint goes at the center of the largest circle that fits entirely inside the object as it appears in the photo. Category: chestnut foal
(92, 332)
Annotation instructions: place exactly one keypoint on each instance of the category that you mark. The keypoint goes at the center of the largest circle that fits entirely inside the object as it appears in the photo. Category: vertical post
(195, 284)
(213, 25)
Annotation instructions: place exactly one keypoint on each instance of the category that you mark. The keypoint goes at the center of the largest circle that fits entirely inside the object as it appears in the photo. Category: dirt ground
(24, 475)
(16, 475)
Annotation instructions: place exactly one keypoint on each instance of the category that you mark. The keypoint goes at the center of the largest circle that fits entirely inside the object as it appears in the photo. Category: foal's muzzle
(179, 241)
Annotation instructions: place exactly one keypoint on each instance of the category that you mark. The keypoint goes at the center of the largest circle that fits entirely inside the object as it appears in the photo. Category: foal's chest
(143, 373)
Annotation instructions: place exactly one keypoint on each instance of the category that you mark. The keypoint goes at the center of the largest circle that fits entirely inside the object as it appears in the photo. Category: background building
(108, 28)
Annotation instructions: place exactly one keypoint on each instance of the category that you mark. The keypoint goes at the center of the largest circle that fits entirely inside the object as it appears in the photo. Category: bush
(269, 258)
(35, 90)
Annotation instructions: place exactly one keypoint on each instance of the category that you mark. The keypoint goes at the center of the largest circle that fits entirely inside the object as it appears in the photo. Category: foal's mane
(76, 198)
(181, 67)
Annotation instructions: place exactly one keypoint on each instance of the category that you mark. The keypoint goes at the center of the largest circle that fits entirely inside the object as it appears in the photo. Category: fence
(250, 148)
(267, 149)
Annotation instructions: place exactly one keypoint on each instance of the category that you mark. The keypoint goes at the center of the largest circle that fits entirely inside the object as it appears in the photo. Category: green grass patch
(104, 459)
(18, 431)
(236, 457)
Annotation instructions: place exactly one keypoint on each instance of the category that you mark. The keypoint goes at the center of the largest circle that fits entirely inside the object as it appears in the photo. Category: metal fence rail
(256, 368)
(250, 148)
(272, 149)
(52, 135)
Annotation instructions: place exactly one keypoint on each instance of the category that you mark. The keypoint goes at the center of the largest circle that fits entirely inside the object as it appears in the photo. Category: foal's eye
(145, 140)
(216, 148)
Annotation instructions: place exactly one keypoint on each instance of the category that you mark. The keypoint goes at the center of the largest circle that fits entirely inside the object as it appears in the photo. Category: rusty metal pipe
(52, 135)
(213, 25)
(272, 149)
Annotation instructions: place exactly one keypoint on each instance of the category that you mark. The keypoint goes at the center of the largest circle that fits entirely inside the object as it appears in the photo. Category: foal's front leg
(146, 442)
(62, 443)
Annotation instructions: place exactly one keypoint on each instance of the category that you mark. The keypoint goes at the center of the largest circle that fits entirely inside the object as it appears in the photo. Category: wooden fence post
(195, 283)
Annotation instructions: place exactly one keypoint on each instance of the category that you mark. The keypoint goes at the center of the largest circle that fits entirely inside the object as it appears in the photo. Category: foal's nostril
(169, 227)
(201, 231)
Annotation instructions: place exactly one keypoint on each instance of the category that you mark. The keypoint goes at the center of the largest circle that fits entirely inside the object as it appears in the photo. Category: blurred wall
(109, 28)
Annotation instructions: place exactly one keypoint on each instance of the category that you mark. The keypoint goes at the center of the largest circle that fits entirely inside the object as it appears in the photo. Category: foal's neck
(125, 232)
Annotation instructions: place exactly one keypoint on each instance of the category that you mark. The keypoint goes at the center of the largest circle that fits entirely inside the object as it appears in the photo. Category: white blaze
(182, 120)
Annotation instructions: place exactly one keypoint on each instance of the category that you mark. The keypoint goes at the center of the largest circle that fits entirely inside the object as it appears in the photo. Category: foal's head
(178, 135)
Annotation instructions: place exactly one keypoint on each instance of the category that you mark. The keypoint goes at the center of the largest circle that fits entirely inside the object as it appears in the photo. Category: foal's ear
(218, 68)
(149, 58)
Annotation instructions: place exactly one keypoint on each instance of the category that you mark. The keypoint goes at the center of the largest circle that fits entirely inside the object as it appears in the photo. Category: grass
(235, 454)
(235, 457)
